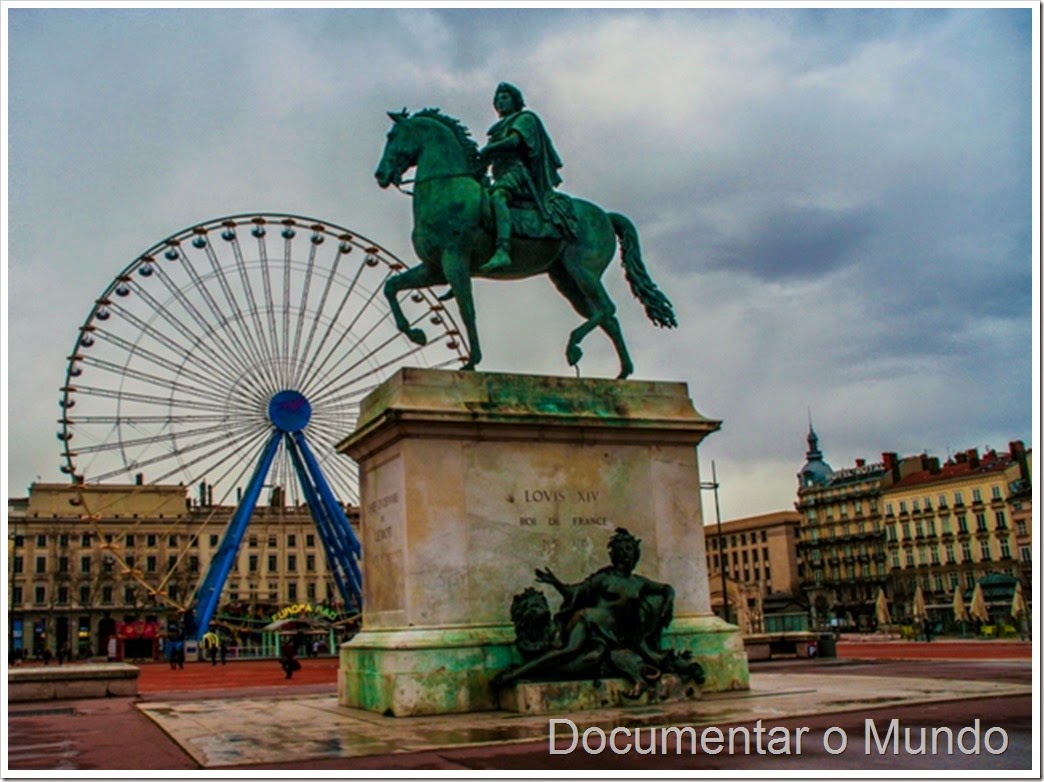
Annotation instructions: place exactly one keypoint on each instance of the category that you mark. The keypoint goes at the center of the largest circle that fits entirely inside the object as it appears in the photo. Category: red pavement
(946, 649)
(236, 675)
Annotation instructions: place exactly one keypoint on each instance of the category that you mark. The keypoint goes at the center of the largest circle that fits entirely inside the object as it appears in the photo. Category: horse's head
(400, 151)
(440, 140)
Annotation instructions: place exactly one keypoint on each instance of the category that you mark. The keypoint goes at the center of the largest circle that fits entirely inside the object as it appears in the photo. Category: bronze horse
(452, 236)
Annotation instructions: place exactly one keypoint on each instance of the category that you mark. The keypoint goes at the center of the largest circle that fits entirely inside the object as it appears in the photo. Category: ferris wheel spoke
(221, 441)
(343, 248)
(302, 310)
(343, 398)
(134, 350)
(267, 349)
(252, 350)
(197, 356)
(343, 411)
(207, 392)
(219, 326)
(285, 303)
(220, 361)
(163, 402)
(412, 349)
(323, 381)
(194, 399)
(236, 463)
(269, 307)
(210, 454)
(142, 420)
(152, 439)
(311, 369)
(215, 338)
(321, 369)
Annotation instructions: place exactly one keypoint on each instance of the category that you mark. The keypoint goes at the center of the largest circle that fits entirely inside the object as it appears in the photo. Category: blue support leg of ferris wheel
(209, 591)
(336, 512)
(337, 556)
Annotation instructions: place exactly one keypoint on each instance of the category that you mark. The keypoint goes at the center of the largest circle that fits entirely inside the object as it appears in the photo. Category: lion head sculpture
(534, 631)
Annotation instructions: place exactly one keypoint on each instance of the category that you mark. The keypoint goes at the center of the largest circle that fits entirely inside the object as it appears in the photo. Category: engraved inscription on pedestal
(383, 539)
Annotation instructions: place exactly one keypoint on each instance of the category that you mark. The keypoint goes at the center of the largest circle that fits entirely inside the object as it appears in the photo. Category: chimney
(860, 462)
(891, 463)
(973, 458)
(1018, 454)
(933, 465)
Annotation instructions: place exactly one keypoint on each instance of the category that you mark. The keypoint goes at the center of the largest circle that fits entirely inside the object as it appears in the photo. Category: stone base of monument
(471, 480)
(410, 672)
(407, 672)
(551, 697)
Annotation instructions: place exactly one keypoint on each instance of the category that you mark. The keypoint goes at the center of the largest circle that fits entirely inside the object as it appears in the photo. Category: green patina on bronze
(513, 226)
(611, 624)
(452, 673)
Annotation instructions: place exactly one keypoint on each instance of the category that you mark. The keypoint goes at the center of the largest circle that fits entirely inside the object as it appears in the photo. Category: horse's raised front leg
(421, 276)
(599, 309)
(456, 269)
(568, 287)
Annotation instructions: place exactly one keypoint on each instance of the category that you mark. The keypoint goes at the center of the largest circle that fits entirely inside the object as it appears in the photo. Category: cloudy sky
(838, 202)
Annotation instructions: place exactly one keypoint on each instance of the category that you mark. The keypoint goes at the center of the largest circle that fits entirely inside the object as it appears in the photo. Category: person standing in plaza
(288, 659)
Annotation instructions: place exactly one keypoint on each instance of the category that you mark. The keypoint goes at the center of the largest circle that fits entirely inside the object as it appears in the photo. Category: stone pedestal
(470, 480)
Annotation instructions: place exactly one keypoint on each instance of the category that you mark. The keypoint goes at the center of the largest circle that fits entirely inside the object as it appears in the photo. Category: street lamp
(713, 484)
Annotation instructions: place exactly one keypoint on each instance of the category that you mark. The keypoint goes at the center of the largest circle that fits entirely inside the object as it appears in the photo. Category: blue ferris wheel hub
(289, 411)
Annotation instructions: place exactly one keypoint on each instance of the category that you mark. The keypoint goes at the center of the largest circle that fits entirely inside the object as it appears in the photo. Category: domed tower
(816, 471)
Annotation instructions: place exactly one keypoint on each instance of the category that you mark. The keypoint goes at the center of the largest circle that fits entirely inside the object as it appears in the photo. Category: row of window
(937, 582)
(926, 553)
(921, 527)
(845, 528)
(849, 551)
(151, 563)
(914, 505)
(866, 570)
(740, 539)
(958, 501)
(150, 540)
(748, 555)
(746, 572)
(842, 509)
(131, 593)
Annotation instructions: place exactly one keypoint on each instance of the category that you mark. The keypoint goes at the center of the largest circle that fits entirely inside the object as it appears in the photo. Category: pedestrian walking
(211, 643)
(288, 660)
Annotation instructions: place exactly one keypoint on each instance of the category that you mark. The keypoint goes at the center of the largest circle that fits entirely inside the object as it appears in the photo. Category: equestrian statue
(512, 225)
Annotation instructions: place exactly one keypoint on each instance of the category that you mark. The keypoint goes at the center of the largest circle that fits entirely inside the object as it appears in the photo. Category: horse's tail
(657, 306)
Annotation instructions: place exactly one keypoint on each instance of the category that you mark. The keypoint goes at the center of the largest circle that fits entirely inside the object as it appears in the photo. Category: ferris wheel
(232, 356)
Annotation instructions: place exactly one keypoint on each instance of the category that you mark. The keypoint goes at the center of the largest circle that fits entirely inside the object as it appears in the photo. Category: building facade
(757, 557)
(85, 565)
(950, 525)
(906, 522)
(841, 557)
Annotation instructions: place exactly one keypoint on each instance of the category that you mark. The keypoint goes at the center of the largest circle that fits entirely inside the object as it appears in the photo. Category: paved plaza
(797, 715)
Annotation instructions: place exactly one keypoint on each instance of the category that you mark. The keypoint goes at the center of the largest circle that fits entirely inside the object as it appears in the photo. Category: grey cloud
(837, 201)
(795, 243)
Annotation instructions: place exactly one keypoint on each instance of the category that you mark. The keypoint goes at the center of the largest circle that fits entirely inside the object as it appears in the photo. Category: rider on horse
(525, 169)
